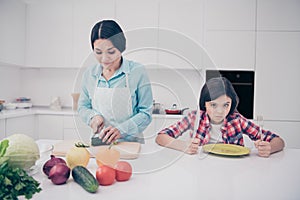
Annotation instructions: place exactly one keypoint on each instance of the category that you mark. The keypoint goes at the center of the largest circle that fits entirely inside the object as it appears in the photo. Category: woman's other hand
(193, 146)
(97, 123)
(110, 134)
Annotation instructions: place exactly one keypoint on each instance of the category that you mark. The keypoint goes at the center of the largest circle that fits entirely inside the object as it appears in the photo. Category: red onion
(59, 173)
(50, 163)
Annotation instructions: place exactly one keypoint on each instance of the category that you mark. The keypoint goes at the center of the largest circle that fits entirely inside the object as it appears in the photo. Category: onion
(50, 163)
(59, 173)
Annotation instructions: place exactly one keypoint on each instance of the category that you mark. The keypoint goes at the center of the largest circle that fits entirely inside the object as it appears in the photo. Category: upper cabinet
(85, 15)
(139, 20)
(181, 34)
(49, 34)
(229, 36)
(12, 31)
(58, 32)
(278, 15)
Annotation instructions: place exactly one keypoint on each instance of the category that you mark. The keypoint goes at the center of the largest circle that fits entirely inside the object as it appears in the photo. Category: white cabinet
(85, 15)
(74, 128)
(278, 15)
(21, 125)
(181, 34)
(139, 21)
(50, 127)
(49, 34)
(229, 36)
(12, 31)
(2, 129)
(277, 76)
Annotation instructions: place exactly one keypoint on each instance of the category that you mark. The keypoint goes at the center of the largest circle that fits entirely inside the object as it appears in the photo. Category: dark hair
(216, 87)
(109, 29)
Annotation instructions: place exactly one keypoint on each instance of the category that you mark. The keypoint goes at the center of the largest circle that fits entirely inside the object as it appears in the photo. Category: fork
(260, 121)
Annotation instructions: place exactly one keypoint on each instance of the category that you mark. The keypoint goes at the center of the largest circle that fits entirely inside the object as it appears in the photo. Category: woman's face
(218, 109)
(107, 54)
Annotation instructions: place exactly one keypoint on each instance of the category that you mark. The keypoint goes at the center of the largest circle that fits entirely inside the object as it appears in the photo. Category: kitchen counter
(43, 110)
(161, 173)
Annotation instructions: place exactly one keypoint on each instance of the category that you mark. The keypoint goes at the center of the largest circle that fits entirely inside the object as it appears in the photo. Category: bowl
(10, 106)
(45, 154)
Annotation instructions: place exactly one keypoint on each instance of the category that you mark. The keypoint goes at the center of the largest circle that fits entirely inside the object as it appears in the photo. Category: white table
(168, 174)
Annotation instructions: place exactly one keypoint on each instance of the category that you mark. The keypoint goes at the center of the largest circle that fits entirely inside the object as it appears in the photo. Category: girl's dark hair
(109, 29)
(216, 87)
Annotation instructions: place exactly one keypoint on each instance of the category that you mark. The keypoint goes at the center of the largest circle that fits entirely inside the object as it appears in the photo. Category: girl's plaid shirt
(233, 128)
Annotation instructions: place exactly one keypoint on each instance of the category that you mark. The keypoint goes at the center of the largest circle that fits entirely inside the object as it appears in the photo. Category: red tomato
(123, 171)
(105, 175)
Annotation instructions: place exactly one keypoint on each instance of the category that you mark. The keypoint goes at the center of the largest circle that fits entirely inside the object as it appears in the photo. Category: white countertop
(64, 111)
(161, 173)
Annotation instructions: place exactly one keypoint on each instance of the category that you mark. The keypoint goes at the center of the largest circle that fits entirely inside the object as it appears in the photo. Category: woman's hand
(97, 123)
(263, 147)
(110, 134)
(193, 146)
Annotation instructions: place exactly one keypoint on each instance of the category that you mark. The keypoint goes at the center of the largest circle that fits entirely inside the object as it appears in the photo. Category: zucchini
(85, 179)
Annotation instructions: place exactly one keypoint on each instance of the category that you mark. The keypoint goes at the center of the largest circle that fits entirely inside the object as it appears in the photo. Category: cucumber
(85, 179)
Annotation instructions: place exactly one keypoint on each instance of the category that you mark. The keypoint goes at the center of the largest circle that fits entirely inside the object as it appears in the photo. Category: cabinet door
(2, 129)
(139, 20)
(277, 76)
(13, 31)
(21, 125)
(50, 127)
(74, 128)
(86, 15)
(49, 34)
(181, 34)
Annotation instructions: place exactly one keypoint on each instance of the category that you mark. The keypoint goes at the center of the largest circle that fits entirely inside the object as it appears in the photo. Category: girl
(219, 122)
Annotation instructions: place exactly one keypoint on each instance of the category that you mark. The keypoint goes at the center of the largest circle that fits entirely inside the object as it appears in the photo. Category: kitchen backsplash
(43, 84)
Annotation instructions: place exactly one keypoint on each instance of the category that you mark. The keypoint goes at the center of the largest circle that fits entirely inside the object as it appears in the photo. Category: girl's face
(107, 54)
(218, 109)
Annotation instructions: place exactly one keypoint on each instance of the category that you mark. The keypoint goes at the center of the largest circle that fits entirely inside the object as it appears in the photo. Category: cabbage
(22, 151)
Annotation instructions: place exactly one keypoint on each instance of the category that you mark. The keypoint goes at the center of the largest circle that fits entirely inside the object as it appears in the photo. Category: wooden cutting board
(128, 150)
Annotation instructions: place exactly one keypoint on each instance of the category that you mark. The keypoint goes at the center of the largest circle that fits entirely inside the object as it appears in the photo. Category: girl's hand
(193, 146)
(97, 123)
(263, 147)
(110, 134)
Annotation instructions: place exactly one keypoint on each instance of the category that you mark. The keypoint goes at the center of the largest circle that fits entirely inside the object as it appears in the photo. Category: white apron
(115, 105)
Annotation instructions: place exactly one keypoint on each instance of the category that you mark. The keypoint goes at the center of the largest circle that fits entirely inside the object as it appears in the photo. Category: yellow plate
(226, 149)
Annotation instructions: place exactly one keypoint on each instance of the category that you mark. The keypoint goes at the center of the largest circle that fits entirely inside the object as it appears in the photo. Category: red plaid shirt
(233, 128)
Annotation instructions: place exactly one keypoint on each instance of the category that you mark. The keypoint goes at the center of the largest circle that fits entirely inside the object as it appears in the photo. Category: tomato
(105, 175)
(123, 171)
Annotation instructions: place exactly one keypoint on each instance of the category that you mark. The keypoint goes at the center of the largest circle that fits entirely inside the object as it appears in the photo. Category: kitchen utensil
(226, 149)
(175, 111)
(128, 150)
(260, 121)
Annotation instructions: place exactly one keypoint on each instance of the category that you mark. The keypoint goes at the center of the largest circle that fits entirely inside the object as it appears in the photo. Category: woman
(116, 96)
(219, 122)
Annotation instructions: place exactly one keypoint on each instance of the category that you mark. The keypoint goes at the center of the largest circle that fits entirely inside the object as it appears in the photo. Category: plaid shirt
(232, 129)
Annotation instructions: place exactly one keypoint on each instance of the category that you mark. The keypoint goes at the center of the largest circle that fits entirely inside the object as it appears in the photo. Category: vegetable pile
(14, 180)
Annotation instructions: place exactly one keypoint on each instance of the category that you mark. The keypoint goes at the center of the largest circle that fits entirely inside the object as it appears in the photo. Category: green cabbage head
(22, 151)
